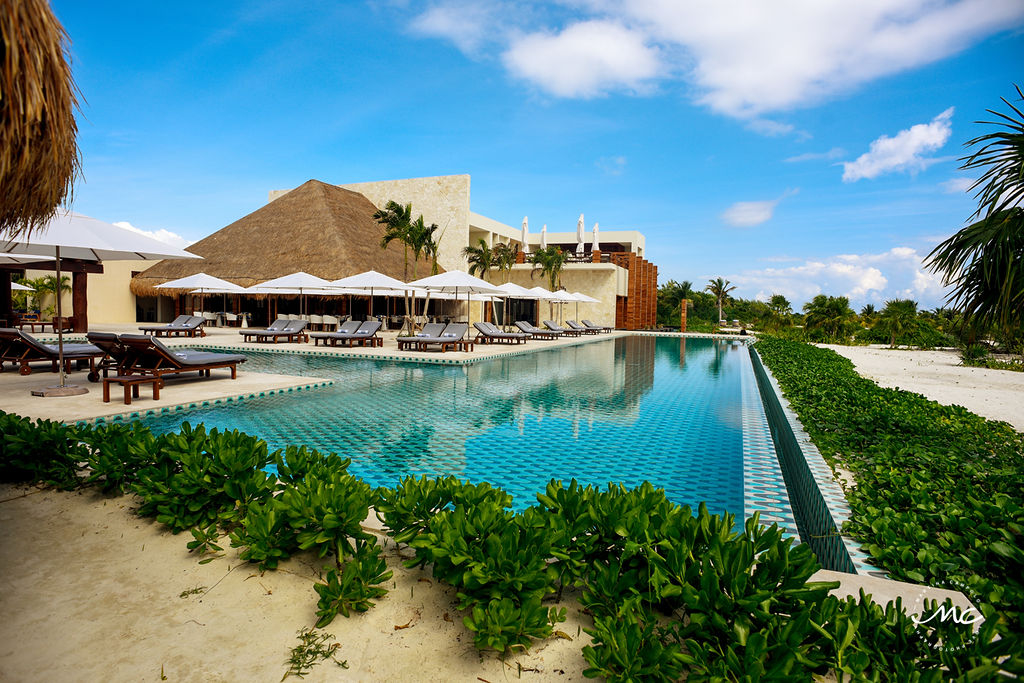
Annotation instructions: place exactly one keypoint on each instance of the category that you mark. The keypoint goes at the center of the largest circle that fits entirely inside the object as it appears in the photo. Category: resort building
(329, 231)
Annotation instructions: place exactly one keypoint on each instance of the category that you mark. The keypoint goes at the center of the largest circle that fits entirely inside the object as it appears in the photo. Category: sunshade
(524, 236)
(457, 282)
(21, 288)
(579, 235)
(72, 235)
(596, 246)
(203, 283)
(300, 282)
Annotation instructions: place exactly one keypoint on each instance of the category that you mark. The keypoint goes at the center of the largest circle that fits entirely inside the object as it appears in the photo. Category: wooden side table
(131, 386)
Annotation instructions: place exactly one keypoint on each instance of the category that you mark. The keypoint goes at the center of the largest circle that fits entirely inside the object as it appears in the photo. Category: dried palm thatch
(38, 156)
(321, 229)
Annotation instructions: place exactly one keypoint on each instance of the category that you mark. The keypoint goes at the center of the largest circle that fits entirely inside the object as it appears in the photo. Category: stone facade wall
(441, 199)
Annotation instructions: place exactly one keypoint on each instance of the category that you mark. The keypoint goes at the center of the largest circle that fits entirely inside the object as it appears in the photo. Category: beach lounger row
(139, 354)
(282, 328)
(183, 325)
(450, 336)
(350, 333)
(20, 349)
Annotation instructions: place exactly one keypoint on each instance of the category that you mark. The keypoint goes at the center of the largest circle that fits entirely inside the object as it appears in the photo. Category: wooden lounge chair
(599, 328)
(249, 333)
(537, 332)
(365, 333)
(453, 337)
(21, 349)
(148, 356)
(429, 331)
(292, 331)
(119, 356)
(551, 325)
(573, 325)
(489, 333)
(187, 325)
(347, 327)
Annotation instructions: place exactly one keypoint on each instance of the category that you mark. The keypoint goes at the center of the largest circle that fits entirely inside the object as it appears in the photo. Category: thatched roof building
(318, 228)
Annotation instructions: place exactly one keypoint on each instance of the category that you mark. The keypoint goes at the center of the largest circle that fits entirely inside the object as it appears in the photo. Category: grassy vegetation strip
(939, 494)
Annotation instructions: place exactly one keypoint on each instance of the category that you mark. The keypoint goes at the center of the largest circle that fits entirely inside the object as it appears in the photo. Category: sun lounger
(550, 324)
(118, 356)
(537, 332)
(489, 333)
(290, 330)
(21, 349)
(599, 328)
(429, 331)
(148, 356)
(573, 325)
(452, 337)
(365, 333)
(188, 325)
(347, 327)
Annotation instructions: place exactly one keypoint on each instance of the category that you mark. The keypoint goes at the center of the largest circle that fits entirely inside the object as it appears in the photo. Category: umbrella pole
(60, 326)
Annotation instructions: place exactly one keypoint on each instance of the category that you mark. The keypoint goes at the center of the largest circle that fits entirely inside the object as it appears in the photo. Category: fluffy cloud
(957, 185)
(745, 58)
(586, 59)
(612, 165)
(863, 278)
(903, 152)
(165, 236)
(749, 214)
(833, 153)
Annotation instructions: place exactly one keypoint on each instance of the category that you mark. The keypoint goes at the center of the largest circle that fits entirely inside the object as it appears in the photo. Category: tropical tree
(719, 289)
(480, 258)
(984, 262)
(505, 256)
(48, 285)
(420, 239)
(397, 222)
(549, 261)
(898, 319)
(38, 154)
(829, 317)
(781, 310)
(670, 300)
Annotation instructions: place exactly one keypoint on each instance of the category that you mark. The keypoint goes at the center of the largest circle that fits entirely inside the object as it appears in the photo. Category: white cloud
(957, 185)
(749, 214)
(769, 128)
(612, 165)
(903, 152)
(585, 60)
(165, 236)
(466, 24)
(833, 153)
(745, 58)
(863, 278)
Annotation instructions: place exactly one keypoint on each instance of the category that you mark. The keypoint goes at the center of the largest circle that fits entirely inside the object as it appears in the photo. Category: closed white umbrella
(72, 235)
(596, 246)
(579, 235)
(524, 236)
(544, 237)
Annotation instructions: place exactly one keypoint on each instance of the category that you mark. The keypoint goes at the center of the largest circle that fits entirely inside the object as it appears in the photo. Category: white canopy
(81, 237)
(456, 281)
(204, 284)
(541, 293)
(21, 288)
(371, 280)
(584, 299)
(299, 281)
(515, 291)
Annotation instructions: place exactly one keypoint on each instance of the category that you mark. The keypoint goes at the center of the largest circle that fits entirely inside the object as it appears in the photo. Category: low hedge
(939, 494)
(673, 592)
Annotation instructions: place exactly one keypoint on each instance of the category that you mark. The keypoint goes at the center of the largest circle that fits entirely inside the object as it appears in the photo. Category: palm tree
(481, 258)
(397, 221)
(549, 261)
(39, 158)
(781, 309)
(898, 318)
(505, 257)
(719, 289)
(49, 285)
(984, 262)
(831, 316)
(420, 238)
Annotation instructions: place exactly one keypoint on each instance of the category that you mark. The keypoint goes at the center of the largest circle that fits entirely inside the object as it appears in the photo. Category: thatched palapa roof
(318, 228)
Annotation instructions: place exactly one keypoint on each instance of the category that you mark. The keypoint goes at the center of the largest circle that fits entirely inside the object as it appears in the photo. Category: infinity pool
(631, 409)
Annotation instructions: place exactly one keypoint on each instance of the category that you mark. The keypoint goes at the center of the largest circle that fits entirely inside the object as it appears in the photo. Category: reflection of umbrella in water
(72, 235)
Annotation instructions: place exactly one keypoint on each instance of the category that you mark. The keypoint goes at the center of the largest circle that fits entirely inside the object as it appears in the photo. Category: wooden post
(682, 314)
(80, 301)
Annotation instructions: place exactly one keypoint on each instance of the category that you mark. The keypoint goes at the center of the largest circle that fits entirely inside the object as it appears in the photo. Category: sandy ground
(91, 592)
(938, 375)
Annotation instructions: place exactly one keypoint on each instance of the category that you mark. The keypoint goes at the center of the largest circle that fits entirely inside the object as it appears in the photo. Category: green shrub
(326, 510)
(40, 451)
(265, 535)
(356, 585)
(118, 452)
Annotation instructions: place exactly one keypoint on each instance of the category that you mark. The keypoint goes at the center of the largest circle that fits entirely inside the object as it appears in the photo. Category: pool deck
(185, 391)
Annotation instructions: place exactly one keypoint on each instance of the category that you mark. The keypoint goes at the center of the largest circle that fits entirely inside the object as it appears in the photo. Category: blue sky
(790, 147)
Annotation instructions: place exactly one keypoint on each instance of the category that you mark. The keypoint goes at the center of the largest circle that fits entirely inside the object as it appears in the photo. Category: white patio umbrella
(579, 235)
(561, 297)
(300, 282)
(544, 237)
(21, 288)
(456, 282)
(202, 283)
(72, 235)
(542, 294)
(374, 282)
(524, 236)
(580, 297)
(596, 246)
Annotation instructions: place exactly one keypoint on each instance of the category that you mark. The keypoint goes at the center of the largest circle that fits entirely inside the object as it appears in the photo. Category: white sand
(938, 375)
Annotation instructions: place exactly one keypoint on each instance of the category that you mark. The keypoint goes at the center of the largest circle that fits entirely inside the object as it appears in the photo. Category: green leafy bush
(42, 451)
(265, 535)
(355, 586)
(326, 510)
(118, 452)
(939, 492)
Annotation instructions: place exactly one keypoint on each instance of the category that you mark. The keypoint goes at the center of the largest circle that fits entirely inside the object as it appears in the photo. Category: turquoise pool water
(661, 409)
